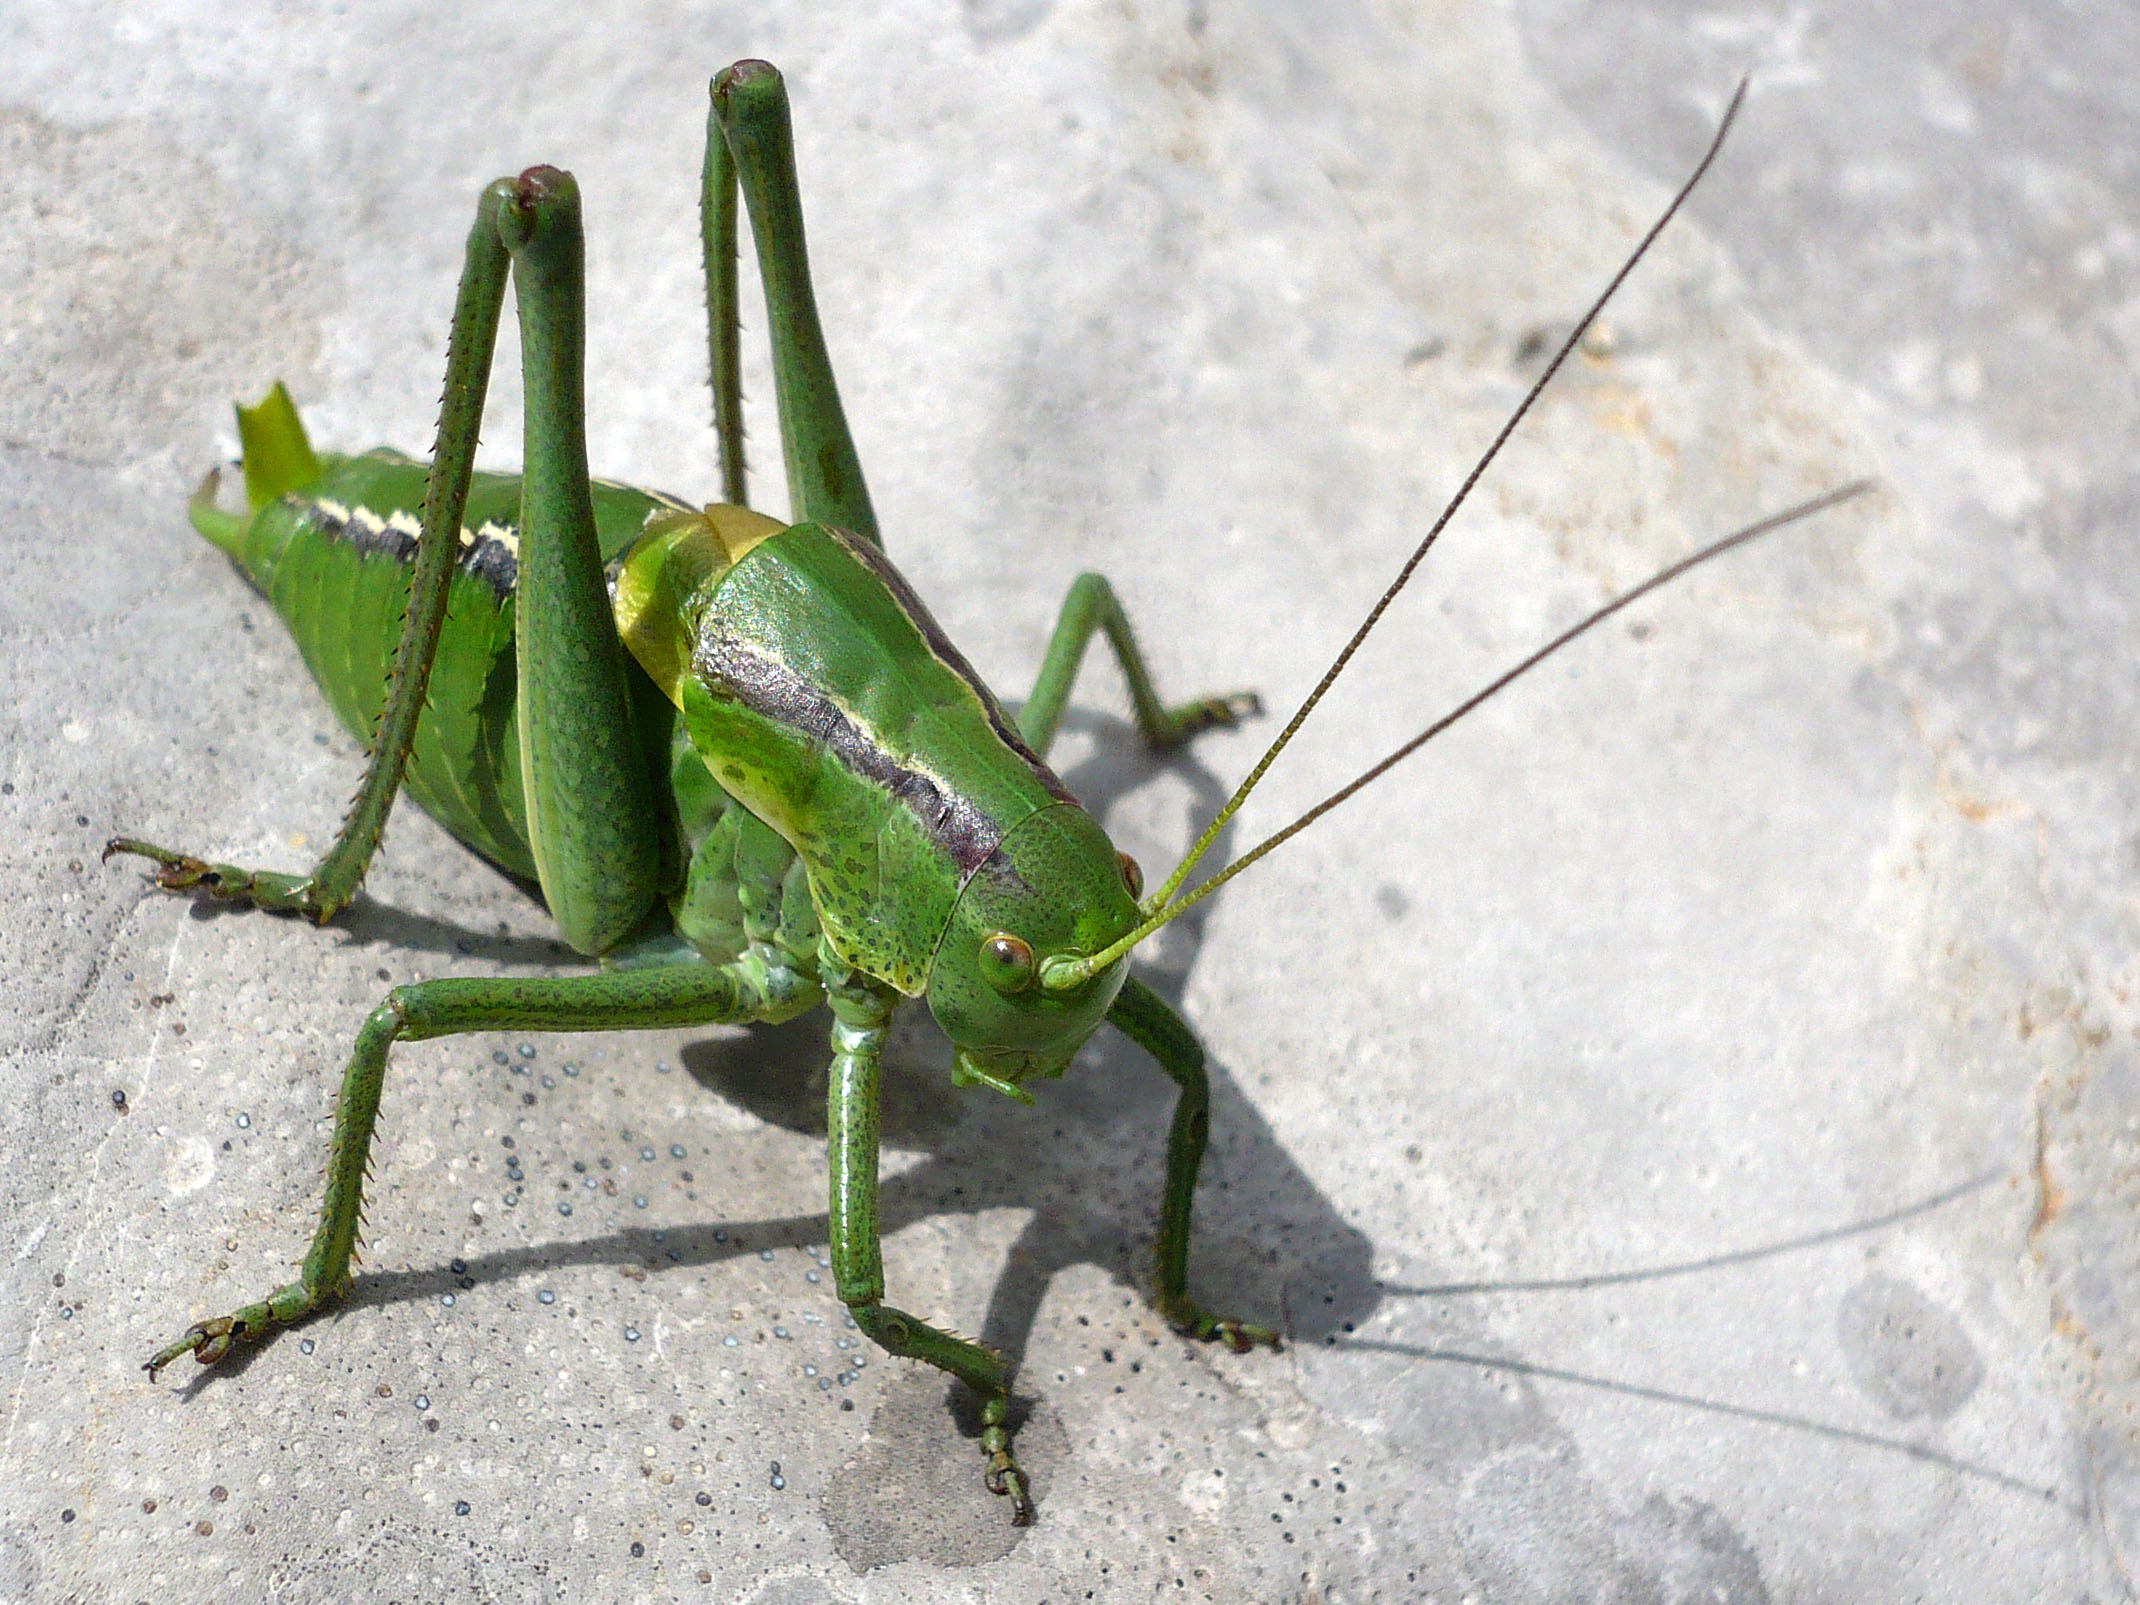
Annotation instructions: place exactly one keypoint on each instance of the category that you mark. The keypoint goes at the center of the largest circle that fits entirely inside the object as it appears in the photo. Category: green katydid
(742, 762)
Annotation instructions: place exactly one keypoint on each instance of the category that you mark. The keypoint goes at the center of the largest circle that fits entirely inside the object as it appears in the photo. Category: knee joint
(888, 1329)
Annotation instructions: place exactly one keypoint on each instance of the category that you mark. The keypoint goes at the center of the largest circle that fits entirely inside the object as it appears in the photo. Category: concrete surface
(1686, 1119)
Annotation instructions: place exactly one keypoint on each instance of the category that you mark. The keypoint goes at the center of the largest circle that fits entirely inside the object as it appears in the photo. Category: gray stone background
(1685, 1120)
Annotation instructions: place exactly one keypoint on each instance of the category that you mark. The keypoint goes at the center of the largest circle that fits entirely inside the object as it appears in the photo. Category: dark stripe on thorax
(775, 693)
(939, 644)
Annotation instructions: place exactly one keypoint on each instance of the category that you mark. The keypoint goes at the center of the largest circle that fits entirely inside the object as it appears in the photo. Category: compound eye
(1006, 963)
(1132, 876)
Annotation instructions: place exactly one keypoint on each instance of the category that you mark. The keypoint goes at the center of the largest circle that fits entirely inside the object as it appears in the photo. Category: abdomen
(334, 561)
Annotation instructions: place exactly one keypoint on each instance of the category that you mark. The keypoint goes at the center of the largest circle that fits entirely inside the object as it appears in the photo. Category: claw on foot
(1006, 1479)
(1239, 1336)
(182, 872)
(1217, 713)
(206, 1341)
(210, 1341)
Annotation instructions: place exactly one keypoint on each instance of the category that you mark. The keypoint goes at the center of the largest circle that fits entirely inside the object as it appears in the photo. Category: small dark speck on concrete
(118, 1098)
(705, 1499)
(460, 1507)
(66, 1515)
(219, 1493)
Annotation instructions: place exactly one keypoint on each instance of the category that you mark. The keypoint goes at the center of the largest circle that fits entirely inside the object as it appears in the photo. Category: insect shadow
(1088, 1162)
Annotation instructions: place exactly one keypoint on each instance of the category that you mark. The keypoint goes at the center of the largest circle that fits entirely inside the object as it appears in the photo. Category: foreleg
(1143, 1016)
(862, 1011)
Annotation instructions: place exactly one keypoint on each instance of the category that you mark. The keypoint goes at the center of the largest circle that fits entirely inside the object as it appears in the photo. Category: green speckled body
(816, 693)
(820, 693)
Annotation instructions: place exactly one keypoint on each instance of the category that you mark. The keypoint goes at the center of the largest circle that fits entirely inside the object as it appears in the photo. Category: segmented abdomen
(334, 560)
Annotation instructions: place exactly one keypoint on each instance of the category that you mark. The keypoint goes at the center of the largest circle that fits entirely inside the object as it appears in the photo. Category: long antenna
(1160, 898)
(1063, 973)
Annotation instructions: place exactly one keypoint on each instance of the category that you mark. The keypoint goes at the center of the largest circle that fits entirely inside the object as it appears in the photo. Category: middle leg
(1092, 606)
(617, 1000)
